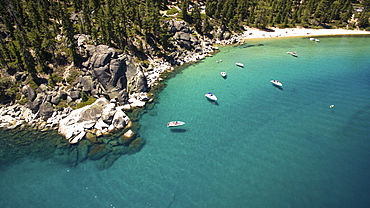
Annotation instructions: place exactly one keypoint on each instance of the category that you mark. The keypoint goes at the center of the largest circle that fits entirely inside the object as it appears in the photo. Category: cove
(260, 146)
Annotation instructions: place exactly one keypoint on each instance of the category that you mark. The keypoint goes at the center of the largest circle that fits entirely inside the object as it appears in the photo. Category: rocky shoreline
(118, 86)
(40, 114)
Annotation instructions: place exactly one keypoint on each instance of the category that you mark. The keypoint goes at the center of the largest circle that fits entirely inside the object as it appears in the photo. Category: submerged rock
(82, 150)
(99, 152)
(136, 145)
(127, 137)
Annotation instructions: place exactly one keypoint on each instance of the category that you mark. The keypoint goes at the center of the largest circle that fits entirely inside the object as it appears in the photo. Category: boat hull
(292, 53)
(211, 96)
(276, 83)
(239, 65)
(175, 123)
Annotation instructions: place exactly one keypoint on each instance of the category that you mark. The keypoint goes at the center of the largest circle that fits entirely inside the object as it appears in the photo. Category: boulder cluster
(102, 116)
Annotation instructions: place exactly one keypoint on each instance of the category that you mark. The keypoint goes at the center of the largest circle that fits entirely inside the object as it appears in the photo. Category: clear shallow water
(259, 147)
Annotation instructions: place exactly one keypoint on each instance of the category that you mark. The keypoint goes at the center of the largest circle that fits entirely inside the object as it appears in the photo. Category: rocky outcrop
(103, 116)
(107, 67)
(108, 74)
(46, 110)
(182, 34)
(29, 92)
(112, 75)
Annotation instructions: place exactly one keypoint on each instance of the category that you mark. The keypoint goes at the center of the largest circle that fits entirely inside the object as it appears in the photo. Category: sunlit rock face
(103, 116)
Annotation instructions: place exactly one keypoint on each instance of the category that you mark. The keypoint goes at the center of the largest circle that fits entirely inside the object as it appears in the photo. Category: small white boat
(276, 83)
(314, 39)
(211, 96)
(239, 64)
(175, 123)
(223, 74)
(292, 53)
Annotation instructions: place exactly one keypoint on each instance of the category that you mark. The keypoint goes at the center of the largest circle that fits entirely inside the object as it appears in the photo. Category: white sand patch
(296, 32)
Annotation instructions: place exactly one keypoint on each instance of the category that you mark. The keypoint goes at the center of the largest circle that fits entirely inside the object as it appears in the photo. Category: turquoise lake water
(259, 146)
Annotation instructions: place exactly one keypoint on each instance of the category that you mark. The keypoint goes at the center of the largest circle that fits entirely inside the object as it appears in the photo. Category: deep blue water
(260, 146)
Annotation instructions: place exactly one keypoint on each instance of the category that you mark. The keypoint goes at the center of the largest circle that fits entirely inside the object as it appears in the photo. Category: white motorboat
(223, 74)
(314, 39)
(276, 83)
(292, 53)
(175, 123)
(239, 64)
(211, 96)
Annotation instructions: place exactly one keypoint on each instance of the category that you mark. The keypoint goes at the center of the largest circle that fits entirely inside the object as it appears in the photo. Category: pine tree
(321, 12)
(184, 9)
(196, 18)
(68, 31)
(242, 9)
(263, 10)
(207, 27)
(211, 7)
(364, 17)
(346, 11)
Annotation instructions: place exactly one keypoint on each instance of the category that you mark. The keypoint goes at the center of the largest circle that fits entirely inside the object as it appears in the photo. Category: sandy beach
(297, 32)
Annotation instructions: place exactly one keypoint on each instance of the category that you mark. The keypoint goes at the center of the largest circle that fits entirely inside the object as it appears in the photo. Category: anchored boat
(211, 96)
(276, 83)
(175, 123)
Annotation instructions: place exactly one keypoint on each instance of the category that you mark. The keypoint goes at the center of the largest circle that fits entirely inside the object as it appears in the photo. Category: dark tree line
(37, 33)
(286, 13)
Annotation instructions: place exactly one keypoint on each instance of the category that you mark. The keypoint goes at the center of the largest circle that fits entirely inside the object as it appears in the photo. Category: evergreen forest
(38, 36)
